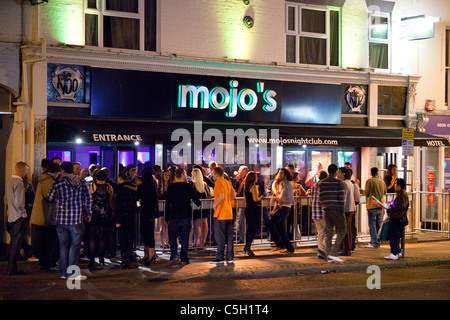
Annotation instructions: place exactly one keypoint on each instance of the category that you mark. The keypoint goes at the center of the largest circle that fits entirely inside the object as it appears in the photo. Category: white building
(322, 47)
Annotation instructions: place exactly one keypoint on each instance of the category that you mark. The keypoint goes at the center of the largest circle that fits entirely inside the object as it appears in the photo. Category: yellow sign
(407, 134)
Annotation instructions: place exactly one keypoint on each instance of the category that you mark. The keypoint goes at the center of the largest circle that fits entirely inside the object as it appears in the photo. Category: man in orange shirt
(224, 196)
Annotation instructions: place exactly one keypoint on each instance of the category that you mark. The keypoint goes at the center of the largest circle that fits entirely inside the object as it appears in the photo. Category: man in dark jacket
(125, 213)
(179, 214)
(397, 219)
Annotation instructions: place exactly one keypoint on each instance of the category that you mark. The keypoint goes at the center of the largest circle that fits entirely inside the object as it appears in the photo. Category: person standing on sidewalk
(332, 198)
(252, 209)
(125, 212)
(397, 219)
(43, 220)
(224, 196)
(17, 215)
(318, 216)
(284, 199)
(74, 205)
(349, 210)
(375, 188)
(179, 214)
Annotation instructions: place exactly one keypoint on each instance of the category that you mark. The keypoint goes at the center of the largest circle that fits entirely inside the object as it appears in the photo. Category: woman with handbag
(397, 219)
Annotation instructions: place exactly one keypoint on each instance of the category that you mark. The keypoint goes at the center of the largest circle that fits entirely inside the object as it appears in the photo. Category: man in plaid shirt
(74, 203)
(318, 215)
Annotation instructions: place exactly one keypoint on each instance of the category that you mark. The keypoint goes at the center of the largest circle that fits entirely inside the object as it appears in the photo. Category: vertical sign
(408, 142)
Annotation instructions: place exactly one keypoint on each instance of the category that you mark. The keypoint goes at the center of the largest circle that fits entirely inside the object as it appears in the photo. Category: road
(419, 283)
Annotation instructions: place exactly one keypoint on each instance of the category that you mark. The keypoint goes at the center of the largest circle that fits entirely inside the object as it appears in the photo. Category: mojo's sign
(172, 96)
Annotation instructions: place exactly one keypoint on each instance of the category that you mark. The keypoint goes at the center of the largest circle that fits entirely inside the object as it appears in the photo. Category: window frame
(380, 41)
(101, 12)
(299, 33)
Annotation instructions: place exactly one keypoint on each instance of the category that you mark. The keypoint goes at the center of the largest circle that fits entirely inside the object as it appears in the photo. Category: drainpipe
(24, 100)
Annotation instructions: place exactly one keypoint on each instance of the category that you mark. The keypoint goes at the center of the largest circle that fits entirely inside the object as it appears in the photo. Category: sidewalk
(265, 263)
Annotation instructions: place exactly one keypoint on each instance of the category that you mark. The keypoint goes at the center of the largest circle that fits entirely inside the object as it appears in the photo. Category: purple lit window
(65, 155)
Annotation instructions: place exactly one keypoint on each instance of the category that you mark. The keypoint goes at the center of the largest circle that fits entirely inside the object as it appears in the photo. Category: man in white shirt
(17, 215)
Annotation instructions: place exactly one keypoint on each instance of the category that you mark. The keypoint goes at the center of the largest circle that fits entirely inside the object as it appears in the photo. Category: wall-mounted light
(246, 2)
(78, 140)
(419, 27)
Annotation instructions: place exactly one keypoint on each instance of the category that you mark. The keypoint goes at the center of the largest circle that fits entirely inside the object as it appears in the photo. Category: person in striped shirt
(332, 198)
(74, 203)
(317, 216)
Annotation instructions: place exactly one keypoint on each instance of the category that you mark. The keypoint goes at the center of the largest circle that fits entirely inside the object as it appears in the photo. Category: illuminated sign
(220, 98)
(173, 96)
(99, 137)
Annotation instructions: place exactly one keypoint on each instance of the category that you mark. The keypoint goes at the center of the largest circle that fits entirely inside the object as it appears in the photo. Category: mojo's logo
(231, 99)
(67, 82)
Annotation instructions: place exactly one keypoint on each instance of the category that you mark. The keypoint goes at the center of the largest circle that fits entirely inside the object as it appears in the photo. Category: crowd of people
(73, 210)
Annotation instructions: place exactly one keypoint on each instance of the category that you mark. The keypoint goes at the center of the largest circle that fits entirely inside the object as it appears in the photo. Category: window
(124, 24)
(379, 40)
(392, 100)
(313, 35)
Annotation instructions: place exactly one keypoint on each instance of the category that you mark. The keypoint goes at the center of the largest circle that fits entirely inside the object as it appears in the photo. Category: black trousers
(17, 231)
(395, 233)
(127, 234)
(252, 218)
(277, 225)
(45, 245)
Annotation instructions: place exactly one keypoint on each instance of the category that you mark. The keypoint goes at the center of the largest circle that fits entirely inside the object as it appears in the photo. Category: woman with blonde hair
(200, 215)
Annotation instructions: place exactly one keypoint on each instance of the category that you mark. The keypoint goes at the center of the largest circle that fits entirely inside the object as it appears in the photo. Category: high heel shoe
(249, 252)
(144, 260)
(148, 262)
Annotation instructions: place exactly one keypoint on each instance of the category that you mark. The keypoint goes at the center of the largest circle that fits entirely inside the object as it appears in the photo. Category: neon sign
(220, 98)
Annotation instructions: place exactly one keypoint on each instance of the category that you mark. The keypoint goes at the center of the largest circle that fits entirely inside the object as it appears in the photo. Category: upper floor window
(124, 24)
(379, 40)
(313, 35)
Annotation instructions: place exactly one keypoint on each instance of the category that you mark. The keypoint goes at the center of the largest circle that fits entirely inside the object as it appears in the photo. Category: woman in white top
(350, 209)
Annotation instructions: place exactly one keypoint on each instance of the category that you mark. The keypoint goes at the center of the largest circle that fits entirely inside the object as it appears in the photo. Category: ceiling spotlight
(246, 2)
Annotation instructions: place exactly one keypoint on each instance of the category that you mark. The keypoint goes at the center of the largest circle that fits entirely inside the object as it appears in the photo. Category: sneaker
(400, 255)
(391, 257)
(79, 277)
(370, 246)
(334, 259)
(217, 261)
(230, 261)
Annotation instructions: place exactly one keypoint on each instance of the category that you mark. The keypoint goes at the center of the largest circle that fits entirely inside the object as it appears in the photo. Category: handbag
(383, 234)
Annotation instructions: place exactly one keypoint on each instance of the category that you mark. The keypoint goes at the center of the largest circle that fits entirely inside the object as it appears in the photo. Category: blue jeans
(375, 220)
(70, 237)
(179, 228)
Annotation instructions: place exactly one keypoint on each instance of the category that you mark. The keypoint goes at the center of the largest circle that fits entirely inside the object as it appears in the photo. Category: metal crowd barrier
(300, 225)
